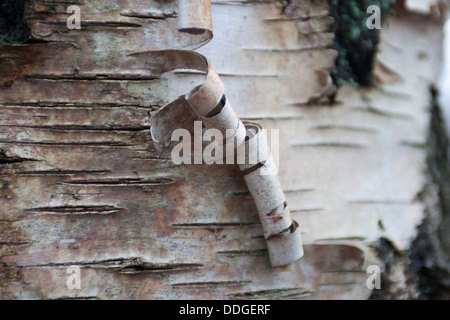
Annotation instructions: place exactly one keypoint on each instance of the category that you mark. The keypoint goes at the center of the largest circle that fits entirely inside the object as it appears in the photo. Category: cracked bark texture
(82, 184)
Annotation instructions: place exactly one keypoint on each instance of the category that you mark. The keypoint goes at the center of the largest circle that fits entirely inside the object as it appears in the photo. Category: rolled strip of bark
(264, 186)
(231, 144)
(227, 121)
(194, 17)
(280, 231)
(255, 150)
(177, 112)
(208, 104)
(205, 98)
(281, 246)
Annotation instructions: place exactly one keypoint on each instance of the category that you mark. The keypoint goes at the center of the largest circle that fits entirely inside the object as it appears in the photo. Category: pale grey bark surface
(82, 183)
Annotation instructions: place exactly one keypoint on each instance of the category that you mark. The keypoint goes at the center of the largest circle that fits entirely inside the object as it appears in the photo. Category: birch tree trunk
(82, 184)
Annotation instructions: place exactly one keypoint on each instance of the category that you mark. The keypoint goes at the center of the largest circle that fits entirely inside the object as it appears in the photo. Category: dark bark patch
(430, 250)
(13, 28)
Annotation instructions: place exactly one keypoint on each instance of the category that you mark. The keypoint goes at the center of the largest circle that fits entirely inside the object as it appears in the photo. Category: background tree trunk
(83, 185)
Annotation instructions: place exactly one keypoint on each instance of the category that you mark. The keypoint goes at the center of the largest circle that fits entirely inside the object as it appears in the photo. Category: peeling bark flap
(209, 105)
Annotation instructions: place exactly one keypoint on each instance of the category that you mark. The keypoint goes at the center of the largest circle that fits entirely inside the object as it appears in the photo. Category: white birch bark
(82, 183)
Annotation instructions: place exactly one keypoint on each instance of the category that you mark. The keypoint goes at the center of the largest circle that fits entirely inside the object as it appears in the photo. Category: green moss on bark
(356, 44)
